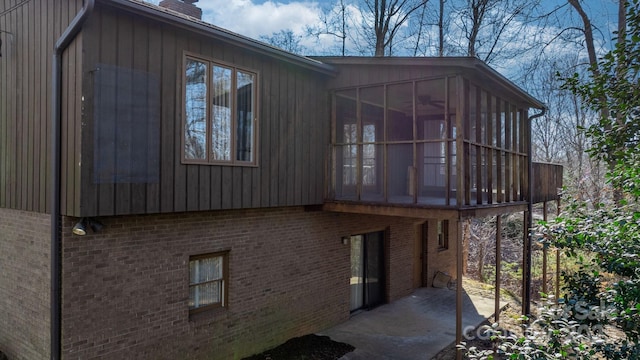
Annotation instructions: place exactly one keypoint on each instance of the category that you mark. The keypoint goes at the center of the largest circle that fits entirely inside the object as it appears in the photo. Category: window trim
(183, 112)
(225, 282)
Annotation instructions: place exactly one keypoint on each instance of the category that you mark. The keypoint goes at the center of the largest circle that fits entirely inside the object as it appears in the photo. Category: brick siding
(439, 259)
(24, 284)
(125, 289)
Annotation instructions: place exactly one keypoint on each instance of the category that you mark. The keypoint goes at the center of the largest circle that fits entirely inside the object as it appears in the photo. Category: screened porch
(438, 141)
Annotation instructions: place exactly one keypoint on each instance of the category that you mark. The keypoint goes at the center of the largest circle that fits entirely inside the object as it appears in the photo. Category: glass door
(367, 270)
(357, 272)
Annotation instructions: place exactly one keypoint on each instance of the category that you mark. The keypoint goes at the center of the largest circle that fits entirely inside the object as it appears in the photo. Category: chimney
(183, 6)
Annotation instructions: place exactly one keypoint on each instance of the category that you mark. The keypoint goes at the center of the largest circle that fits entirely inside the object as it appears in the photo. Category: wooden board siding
(547, 182)
(292, 129)
(28, 30)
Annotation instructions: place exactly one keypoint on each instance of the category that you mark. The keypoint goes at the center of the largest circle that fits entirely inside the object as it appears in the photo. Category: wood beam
(392, 210)
(492, 210)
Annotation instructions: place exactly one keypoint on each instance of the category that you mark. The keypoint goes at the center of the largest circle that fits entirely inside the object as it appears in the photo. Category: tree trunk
(593, 61)
(441, 30)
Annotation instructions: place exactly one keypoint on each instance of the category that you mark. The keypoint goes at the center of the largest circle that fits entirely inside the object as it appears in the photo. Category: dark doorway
(367, 270)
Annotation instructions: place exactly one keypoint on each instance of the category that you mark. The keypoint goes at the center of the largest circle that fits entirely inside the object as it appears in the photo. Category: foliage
(554, 334)
(614, 91)
(610, 231)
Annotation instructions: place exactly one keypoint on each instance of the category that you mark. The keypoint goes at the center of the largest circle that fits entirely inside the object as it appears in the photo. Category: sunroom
(456, 138)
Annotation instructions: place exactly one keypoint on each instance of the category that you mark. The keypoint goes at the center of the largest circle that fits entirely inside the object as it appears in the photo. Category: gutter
(56, 255)
(526, 281)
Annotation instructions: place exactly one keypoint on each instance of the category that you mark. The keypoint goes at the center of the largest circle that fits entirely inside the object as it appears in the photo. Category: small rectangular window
(443, 234)
(208, 281)
(219, 113)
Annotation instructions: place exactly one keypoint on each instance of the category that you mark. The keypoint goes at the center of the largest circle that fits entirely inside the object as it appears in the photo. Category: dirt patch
(308, 347)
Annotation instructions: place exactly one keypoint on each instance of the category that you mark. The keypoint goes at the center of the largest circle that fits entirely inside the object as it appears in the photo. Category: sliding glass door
(367, 270)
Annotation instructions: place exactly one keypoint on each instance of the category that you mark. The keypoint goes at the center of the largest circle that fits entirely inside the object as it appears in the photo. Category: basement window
(219, 113)
(208, 281)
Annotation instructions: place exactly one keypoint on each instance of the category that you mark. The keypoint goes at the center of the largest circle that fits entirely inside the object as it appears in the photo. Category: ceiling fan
(426, 100)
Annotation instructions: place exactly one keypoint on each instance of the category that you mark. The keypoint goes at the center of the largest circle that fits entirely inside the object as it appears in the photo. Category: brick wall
(24, 284)
(438, 259)
(125, 290)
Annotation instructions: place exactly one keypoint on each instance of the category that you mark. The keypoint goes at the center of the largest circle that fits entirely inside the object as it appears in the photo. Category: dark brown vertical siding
(154, 66)
(187, 177)
(5, 103)
(168, 111)
(140, 61)
(272, 128)
(71, 124)
(293, 125)
(107, 55)
(29, 30)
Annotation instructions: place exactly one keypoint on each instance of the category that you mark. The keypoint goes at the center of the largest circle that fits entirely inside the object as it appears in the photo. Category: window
(208, 281)
(443, 234)
(350, 155)
(219, 113)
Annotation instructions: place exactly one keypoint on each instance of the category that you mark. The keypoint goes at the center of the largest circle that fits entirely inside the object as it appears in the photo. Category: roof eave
(453, 61)
(212, 31)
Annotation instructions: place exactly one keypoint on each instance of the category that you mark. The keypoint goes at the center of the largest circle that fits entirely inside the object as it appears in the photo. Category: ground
(313, 347)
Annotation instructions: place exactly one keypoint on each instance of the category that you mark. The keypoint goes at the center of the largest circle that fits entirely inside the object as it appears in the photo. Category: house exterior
(169, 189)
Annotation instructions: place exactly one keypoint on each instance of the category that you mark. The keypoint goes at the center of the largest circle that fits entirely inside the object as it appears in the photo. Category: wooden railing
(547, 182)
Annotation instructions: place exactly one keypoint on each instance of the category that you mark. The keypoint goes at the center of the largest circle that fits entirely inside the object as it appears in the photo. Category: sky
(258, 18)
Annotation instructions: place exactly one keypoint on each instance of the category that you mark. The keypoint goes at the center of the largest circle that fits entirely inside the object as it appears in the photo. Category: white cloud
(255, 19)
(251, 19)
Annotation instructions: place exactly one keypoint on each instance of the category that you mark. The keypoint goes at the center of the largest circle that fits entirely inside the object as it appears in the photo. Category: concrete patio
(416, 327)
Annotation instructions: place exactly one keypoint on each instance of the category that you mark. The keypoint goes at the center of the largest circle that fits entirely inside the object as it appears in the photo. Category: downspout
(56, 255)
(526, 298)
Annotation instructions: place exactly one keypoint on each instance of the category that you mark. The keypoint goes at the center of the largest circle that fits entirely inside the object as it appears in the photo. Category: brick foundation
(24, 284)
(125, 289)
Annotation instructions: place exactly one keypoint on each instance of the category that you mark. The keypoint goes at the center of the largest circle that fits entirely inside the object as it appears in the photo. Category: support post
(544, 252)
(459, 289)
(498, 265)
(558, 261)
(526, 265)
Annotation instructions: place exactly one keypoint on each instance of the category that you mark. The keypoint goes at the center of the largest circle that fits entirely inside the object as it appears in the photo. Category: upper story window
(219, 113)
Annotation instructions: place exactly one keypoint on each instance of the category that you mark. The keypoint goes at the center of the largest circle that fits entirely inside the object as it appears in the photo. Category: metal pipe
(56, 255)
(528, 220)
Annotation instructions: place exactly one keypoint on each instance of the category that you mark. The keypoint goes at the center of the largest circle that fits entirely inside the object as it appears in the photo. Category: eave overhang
(463, 63)
(188, 23)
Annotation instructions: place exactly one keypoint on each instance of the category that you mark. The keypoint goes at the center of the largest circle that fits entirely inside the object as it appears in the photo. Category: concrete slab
(416, 327)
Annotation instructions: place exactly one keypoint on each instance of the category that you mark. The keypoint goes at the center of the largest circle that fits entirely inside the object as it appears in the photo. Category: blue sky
(255, 18)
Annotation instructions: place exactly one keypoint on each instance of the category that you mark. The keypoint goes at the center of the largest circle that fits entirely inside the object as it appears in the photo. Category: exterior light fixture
(81, 227)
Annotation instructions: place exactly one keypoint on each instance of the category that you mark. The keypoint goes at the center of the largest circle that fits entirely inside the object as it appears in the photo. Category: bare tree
(493, 30)
(427, 30)
(385, 21)
(333, 22)
(286, 40)
(589, 41)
